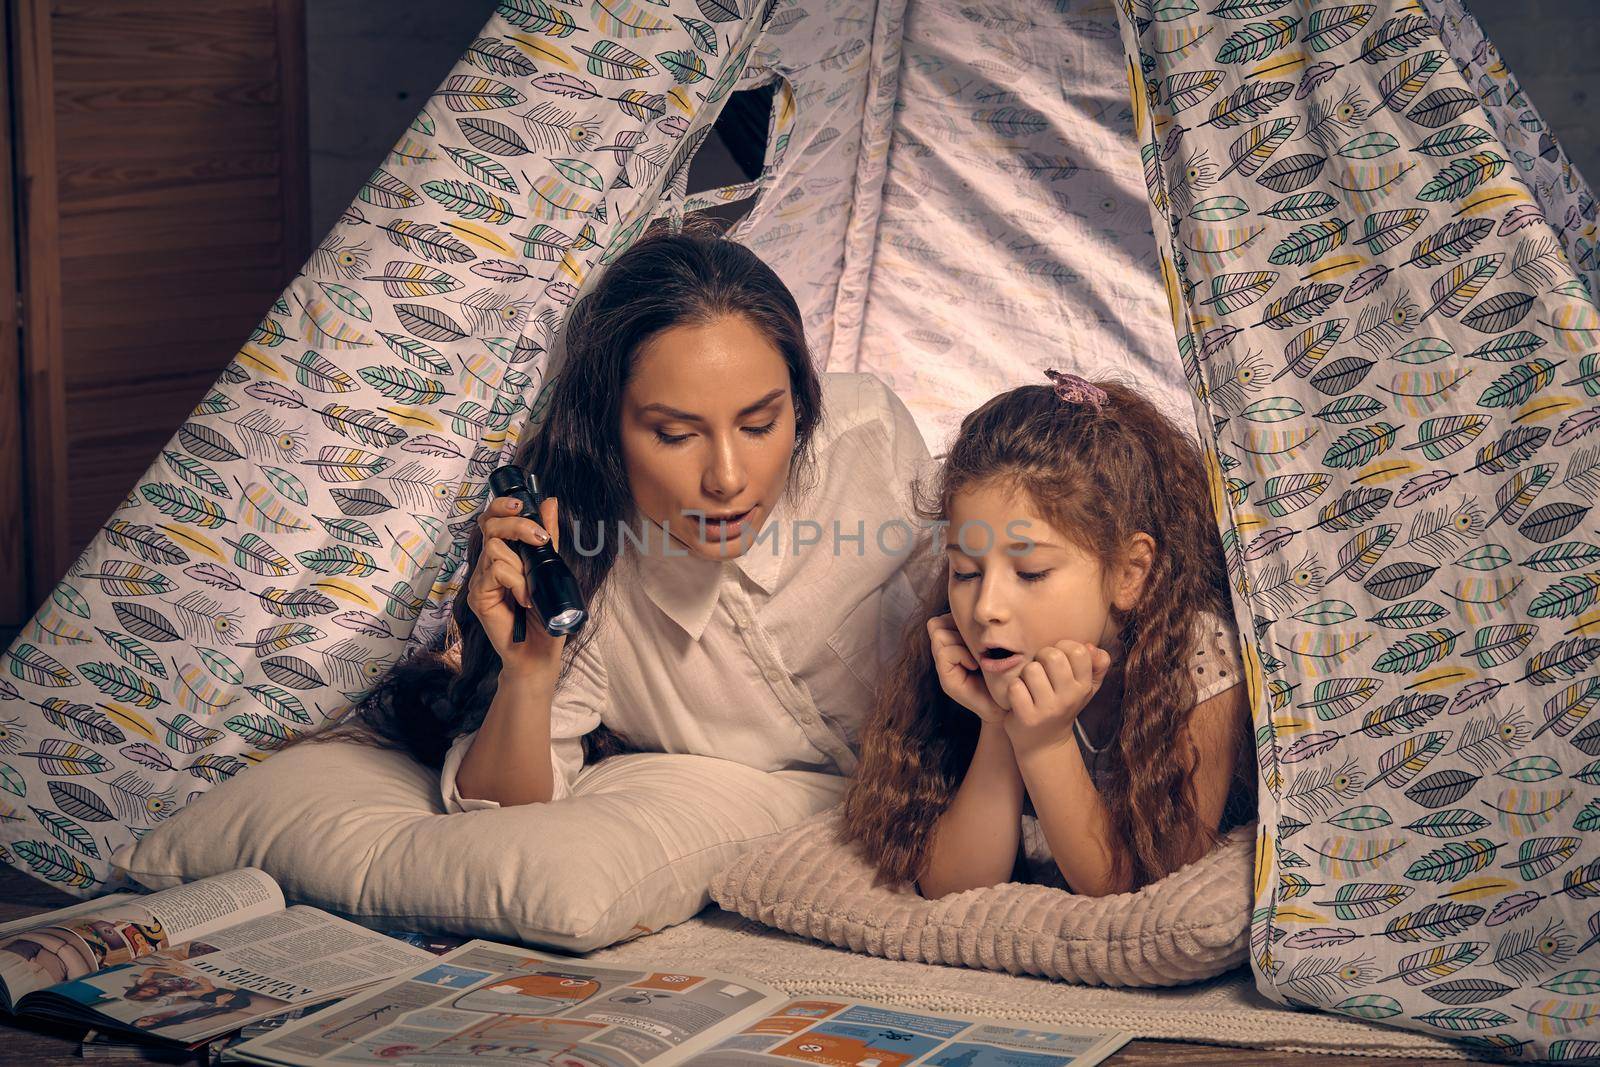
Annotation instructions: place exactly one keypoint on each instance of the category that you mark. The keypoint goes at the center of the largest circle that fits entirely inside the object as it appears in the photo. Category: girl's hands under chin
(1050, 693)
(959, 675)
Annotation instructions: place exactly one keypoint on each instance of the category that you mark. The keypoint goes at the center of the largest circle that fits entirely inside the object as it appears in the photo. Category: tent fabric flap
(310, 517)
(1396, 364)
(1565, 198)
(1012, 232)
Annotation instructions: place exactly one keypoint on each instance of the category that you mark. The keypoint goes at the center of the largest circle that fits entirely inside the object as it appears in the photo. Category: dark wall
(1553, 47)
(370, 67)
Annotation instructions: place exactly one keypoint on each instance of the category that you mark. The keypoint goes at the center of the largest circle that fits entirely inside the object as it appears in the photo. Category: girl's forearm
(508, 760)
(975, 841)
(1074, 819)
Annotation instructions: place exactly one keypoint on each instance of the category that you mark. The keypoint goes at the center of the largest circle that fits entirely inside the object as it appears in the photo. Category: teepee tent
(1334, 236)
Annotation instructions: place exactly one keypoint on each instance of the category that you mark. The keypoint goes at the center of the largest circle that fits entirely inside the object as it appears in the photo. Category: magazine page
(236, 975)
(489, 1003)
(19, 975)
(222, 1050)
(64, 945)
(46, 918)
(871, 1035)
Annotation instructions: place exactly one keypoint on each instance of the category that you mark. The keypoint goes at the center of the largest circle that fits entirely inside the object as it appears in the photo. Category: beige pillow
(359, 831)
(1193, 924)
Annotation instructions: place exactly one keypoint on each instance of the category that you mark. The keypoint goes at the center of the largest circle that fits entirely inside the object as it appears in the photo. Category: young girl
(1079, 663)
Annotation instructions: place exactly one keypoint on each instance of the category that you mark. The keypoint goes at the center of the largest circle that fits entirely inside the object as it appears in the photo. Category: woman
(740, 526)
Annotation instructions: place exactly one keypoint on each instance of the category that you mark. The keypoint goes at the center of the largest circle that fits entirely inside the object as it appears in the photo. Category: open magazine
(123, 1047)
(189, 963)
(486, 1003)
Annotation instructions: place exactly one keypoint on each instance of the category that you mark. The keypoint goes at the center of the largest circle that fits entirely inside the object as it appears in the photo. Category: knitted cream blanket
(1224, 1011)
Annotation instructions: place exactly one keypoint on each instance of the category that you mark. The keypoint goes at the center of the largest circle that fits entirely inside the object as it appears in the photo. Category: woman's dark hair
(1099, 476)
(664, 280)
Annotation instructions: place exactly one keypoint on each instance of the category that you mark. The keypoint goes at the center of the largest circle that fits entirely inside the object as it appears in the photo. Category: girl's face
(1018, 585)
(708, 428)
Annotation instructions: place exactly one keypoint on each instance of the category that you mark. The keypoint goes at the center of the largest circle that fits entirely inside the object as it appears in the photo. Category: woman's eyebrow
(686, 416)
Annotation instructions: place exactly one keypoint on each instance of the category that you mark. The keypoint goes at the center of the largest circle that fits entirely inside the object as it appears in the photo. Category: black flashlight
(551, 586)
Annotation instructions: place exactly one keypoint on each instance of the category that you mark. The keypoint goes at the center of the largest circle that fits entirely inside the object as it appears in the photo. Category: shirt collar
(685, 586)
(763, 562)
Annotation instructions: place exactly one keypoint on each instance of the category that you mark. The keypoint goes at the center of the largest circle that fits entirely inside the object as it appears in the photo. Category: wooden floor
(26, 1042)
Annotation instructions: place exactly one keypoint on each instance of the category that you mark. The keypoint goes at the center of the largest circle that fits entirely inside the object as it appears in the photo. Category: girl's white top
(768, 659)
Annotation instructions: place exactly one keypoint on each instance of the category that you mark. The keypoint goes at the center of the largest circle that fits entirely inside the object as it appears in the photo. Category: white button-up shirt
(769, 659)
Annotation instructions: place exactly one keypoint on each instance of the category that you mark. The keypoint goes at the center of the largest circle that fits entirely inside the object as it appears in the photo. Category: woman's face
(708, 429)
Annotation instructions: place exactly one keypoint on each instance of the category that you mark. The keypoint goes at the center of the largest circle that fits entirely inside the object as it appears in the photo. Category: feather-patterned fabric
(1411, 326)
(306, 524)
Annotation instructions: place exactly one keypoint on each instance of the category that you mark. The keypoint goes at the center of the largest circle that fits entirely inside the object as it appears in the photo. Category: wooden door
(161, 154)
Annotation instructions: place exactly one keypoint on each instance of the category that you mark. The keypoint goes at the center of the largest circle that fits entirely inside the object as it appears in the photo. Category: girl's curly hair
(1099, 475)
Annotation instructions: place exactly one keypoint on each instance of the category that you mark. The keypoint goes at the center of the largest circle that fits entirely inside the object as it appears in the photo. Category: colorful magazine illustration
(486, 1003)
(189, 963)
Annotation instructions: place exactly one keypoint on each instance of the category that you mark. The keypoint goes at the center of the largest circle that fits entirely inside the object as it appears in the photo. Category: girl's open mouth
(999, 660)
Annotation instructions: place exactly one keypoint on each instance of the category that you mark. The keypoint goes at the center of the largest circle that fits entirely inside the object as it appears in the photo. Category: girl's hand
(1050, 693)
(959, 675)
(497, 588)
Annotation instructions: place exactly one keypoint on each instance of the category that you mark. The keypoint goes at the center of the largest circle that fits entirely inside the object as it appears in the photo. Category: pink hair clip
(1075, 390)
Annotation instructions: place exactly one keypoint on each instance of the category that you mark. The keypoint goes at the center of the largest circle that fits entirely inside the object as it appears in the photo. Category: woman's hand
(959, 675)
(1050, 693)
(497, 588)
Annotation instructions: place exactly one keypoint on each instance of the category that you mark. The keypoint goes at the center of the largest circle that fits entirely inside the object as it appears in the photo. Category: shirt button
(808, 719)
(773, 676)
